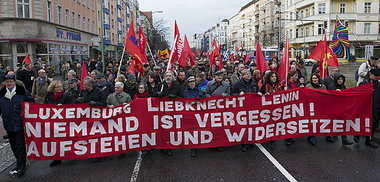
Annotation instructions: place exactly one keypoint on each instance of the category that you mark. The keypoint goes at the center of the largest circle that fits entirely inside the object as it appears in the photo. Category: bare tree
(155, 35)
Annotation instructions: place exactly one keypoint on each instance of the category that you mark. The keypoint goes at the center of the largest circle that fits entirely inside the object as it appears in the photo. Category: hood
(338, 75)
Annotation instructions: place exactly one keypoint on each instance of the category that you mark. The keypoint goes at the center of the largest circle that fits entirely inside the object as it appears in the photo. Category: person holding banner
(170, 89)
(11, 97)
(271, 84)
(245, 85)
(315, 83)
(193, 91)
(374, 75)
(54, 96)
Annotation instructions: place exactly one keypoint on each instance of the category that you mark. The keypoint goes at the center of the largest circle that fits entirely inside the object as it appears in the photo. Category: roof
(249, 4)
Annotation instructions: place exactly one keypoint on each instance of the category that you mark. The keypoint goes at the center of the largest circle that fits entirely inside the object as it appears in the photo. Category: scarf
(57, 96)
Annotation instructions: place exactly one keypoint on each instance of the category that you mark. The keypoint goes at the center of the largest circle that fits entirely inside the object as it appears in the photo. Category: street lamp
(303, 27)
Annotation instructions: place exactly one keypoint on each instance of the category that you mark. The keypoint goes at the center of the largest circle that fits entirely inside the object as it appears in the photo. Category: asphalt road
(323, 162)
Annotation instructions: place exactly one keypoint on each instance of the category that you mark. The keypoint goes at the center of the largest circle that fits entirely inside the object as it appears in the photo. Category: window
(307, 12)
(59, 15)
(106, 34)
(88, 25)
(301, 15)
(49, 15)
(322, 8)
(367, 28)
(297, 33)
(301, 32)
(312, 10)
(93, 26)
(84, 24)
(88, 3)
(111, 10)
(312, 30)
(84, 2)
(321, 29)
(78, 21)
(73, 19)
(113, 37)
(106, 19)
(112, 23)
(367, 7)
(342, 8)
(23, 10)
(105, 4)
(118, 13)
(118, 25)
(306, 31)
(92, 4)
(119, 40)
(67, 17)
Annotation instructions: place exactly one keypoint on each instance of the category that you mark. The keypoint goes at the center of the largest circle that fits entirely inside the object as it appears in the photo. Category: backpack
(357, 72)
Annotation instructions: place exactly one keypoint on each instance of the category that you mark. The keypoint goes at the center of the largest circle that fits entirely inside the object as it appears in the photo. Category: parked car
(309, 61)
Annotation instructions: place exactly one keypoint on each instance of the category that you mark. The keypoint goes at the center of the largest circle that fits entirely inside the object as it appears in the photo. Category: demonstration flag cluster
(136, 47)
(180, 51)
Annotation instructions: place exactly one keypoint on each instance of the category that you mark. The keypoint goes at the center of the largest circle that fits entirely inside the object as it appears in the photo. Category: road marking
(136, 169)
(276, 163)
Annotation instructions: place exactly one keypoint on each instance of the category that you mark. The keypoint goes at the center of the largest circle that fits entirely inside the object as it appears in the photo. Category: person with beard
(170, 89)
(315, 83)
(245, 85)
(181, 79)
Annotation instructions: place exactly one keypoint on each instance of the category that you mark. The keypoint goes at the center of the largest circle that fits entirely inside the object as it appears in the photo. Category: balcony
(257, 12)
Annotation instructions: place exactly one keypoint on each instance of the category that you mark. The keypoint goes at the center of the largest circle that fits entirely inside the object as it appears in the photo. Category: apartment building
(53, 30)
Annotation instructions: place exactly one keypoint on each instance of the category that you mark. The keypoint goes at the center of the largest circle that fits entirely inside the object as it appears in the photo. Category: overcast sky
(193, 16)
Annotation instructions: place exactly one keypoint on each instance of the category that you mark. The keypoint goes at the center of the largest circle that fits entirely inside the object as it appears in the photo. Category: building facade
(116, 15)
(53, 30)
(308, 20)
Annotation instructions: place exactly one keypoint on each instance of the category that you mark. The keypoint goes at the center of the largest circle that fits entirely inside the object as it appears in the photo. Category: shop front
(44, 41)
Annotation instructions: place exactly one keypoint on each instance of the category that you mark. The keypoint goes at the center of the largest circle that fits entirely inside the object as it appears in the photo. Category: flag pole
(172, 52)
(121, 61)
(154, 61)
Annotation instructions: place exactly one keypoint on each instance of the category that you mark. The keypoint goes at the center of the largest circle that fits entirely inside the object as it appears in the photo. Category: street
(303, 162)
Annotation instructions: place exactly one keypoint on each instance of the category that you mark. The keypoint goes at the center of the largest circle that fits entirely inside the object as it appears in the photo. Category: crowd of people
(108, 88)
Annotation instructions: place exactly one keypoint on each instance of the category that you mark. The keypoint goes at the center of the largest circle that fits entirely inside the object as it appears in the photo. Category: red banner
(78, 131)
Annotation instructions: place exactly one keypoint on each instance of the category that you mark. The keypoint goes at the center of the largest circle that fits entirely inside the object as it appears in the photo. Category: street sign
(368, 51)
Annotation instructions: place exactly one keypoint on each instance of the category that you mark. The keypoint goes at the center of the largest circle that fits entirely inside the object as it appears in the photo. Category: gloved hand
(92, 103)
(159, 94)
(79, 100)
(170, 96)
(225, 94)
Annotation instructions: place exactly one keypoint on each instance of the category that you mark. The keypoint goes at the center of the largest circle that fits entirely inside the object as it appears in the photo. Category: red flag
(27, 60)
(220, 61)
(323, 62)
(241, 45)
(260, 59)
(131, 68)
(246, 58)
(186, 52)
(142, 43)
(284, 66)
(332, 60)
(232, 58)
(214, 50)
(140, 67)
(83, 75)
(131, 44)
(202, 52)
(316, 54)
(179, 44)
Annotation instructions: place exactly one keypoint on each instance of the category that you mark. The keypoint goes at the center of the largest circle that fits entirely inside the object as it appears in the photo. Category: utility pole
(102, 34)
(278, 3)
